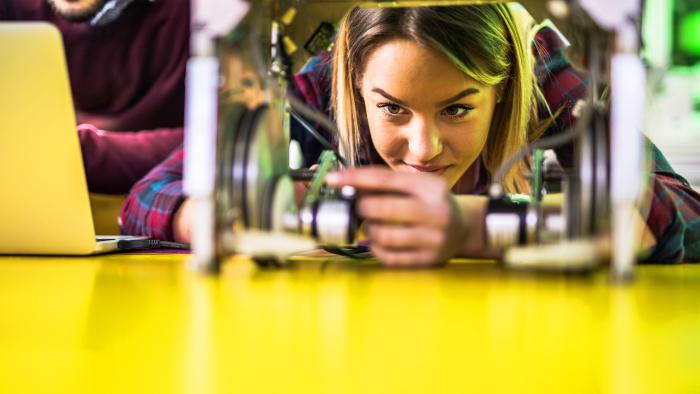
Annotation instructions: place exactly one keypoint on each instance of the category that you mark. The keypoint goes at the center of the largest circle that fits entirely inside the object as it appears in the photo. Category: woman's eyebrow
(462, 94)
(390, 97)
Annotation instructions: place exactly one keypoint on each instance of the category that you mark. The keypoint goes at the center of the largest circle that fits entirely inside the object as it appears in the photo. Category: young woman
(438, 94)
(436, 98)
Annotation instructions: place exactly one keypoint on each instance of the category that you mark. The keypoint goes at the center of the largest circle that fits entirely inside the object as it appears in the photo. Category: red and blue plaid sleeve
(561, 85)
(152, 202)
(674, 214)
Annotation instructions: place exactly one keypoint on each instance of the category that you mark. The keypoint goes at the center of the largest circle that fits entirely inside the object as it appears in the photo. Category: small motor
(255, 193)
(328, 215)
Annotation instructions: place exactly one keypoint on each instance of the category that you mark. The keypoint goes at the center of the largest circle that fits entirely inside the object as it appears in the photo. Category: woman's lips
(437, 170)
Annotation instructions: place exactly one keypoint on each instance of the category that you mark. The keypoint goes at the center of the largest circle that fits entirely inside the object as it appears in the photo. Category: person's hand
(182, 222)
(412, 219)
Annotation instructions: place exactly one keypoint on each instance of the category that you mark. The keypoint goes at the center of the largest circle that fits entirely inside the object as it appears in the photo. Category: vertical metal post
(210, 19)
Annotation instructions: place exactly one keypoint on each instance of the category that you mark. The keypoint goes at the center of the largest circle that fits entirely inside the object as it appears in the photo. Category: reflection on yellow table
(144, 323)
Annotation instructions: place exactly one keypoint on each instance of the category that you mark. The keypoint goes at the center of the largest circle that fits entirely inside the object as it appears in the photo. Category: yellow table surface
(144, 323)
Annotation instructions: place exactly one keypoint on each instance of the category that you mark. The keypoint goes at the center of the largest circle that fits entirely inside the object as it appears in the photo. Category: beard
(79, 10)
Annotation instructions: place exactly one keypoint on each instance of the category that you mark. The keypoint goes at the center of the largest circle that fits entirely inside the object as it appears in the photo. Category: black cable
(547, 143)
(299, 110)
(130, 244)
(174, 245)
(324, 142)
(355, 252)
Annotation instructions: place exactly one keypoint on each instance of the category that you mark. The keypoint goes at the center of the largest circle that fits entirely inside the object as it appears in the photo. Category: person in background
(471, 90)
(126, 61)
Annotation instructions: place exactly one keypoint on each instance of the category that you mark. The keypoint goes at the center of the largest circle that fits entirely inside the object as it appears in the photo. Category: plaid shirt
(674, 217)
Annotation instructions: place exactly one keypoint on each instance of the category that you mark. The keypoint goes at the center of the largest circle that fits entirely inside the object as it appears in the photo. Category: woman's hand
(182, 222)
(412, 219)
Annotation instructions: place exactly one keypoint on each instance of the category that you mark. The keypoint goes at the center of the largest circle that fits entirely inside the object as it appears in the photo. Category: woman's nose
(424, 141)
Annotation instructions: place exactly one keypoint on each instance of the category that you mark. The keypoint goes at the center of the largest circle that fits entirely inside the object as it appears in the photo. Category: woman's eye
(457, 111)
(391, 109)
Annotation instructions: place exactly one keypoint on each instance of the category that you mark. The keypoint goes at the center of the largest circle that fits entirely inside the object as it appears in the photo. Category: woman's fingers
(406, 237)
(427, 187)
(405, 257)
(402, 209)
(411, 217)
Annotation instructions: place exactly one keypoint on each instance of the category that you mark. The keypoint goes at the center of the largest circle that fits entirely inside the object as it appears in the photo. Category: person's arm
(562, 86)
(153, 202)
(6, 13)
(114, 161)
(674, 214)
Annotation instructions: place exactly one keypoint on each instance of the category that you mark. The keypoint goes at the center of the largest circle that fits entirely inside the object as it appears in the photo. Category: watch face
(109, 12)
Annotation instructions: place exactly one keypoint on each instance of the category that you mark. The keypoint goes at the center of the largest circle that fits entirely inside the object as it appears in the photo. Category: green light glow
(689, 33)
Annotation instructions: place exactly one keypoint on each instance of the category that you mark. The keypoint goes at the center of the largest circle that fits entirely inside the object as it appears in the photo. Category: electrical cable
(355, 252)
(129, 244)
(496, 190)
(323, 141)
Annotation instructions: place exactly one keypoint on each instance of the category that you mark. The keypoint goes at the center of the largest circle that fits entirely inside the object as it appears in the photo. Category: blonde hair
(484, 41)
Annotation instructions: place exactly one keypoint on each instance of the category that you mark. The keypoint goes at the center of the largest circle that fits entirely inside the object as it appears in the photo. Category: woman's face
(424, 114)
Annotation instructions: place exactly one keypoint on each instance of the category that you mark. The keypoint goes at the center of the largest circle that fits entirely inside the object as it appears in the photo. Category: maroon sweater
(126, 76)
